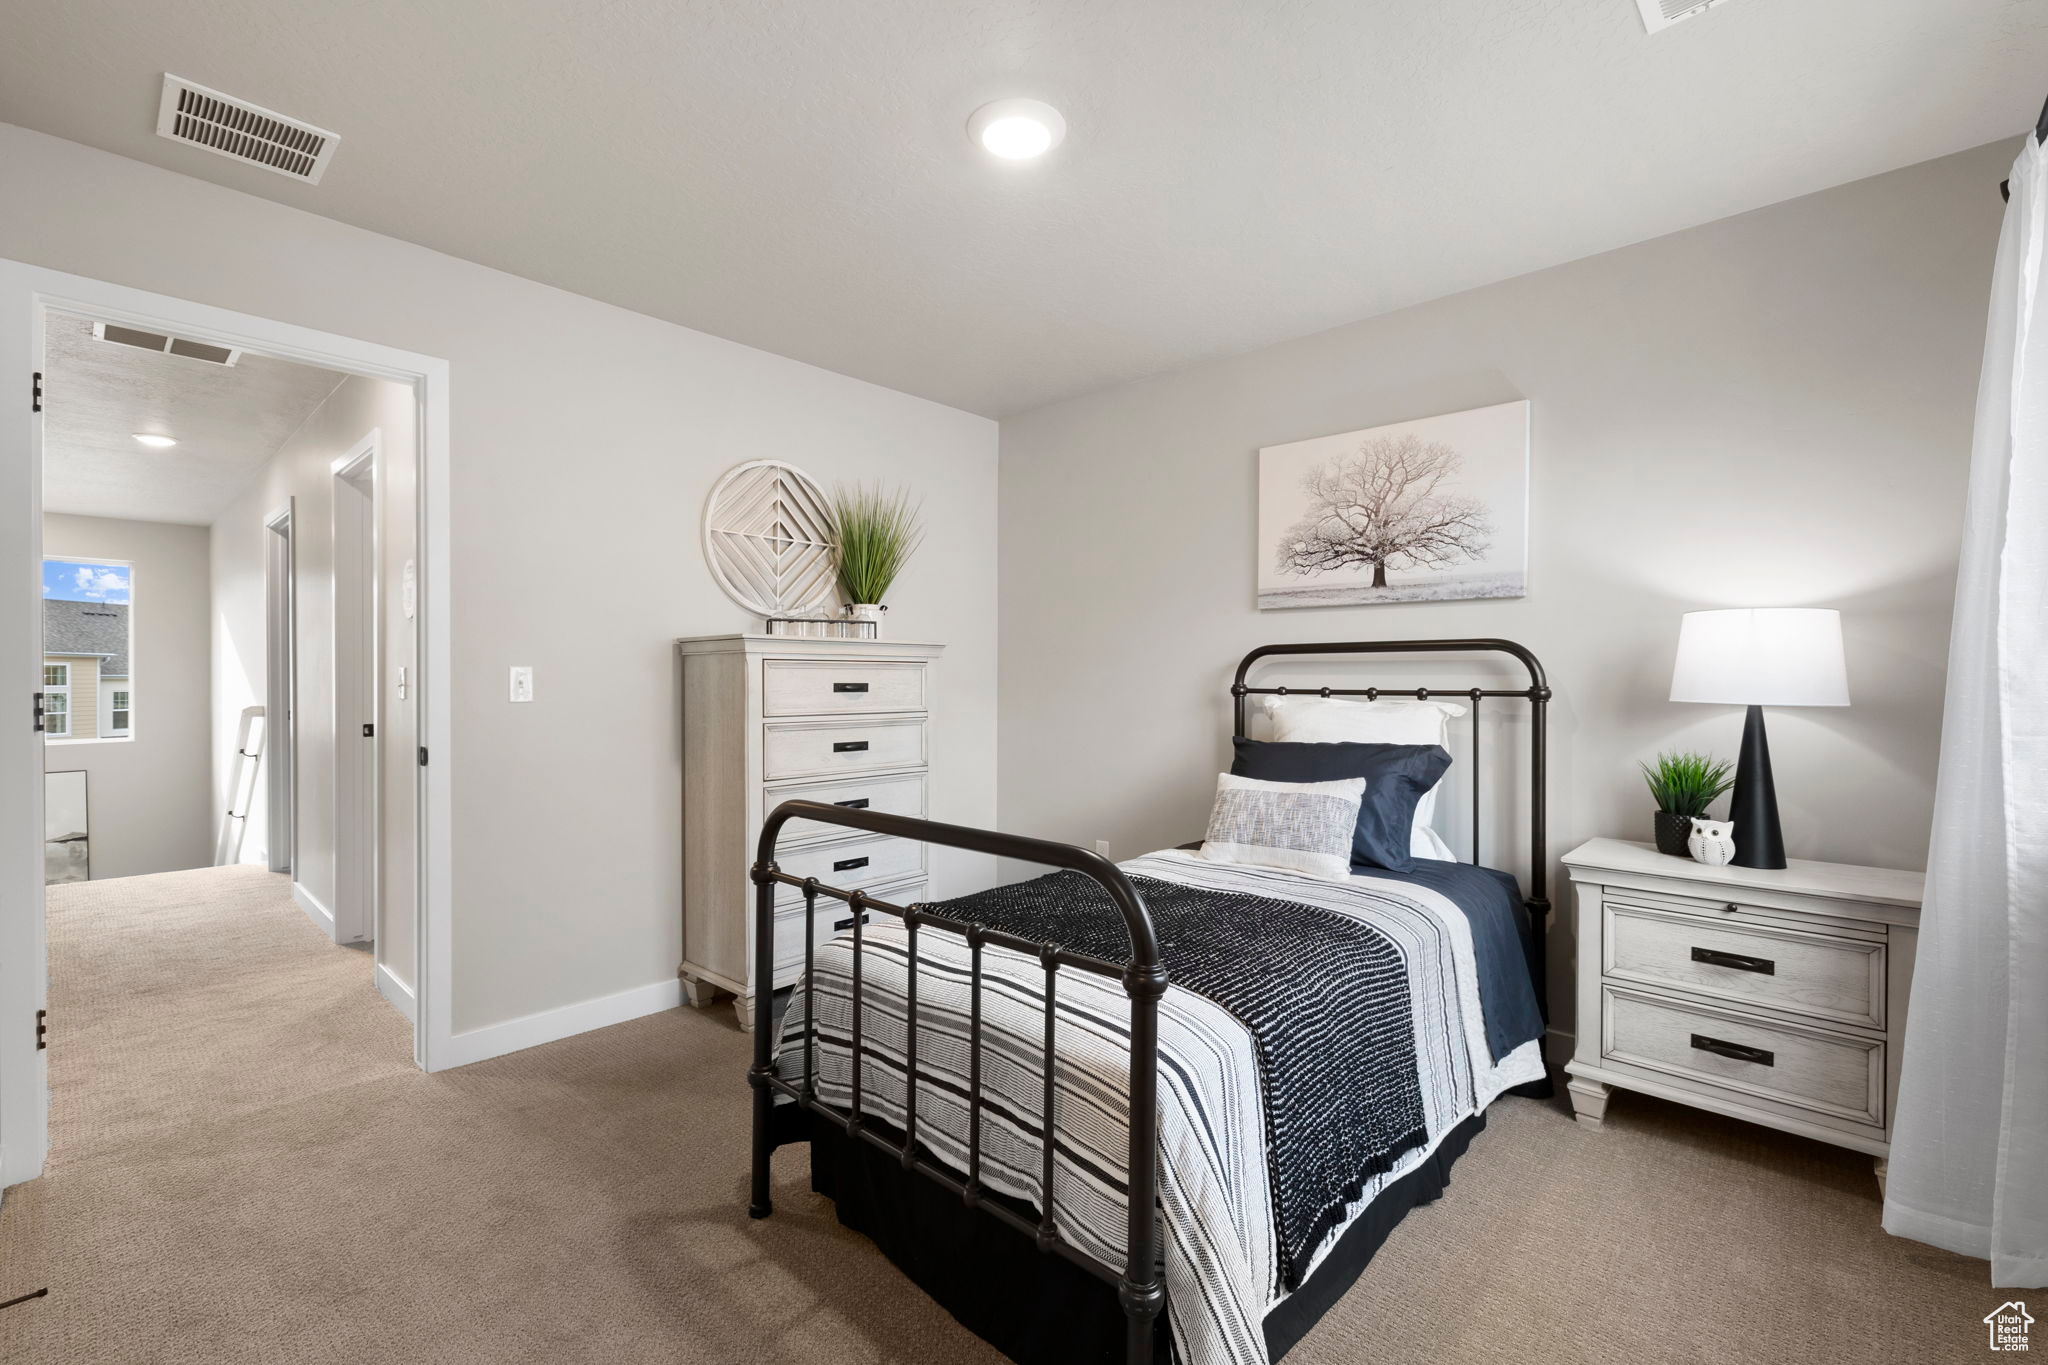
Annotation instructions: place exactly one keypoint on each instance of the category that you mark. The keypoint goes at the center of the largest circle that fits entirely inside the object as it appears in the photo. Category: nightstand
(1775, 996)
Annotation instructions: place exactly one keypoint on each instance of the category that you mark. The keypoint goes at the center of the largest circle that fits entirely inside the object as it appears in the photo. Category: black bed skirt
(1043, 1310)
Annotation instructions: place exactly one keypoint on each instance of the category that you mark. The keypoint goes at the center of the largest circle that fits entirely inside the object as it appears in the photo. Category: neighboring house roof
(88, 628)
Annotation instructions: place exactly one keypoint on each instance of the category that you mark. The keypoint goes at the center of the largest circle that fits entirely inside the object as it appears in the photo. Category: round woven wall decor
(770, 540)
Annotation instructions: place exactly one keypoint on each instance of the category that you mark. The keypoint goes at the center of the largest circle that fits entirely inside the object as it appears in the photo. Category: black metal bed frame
(1143, 978)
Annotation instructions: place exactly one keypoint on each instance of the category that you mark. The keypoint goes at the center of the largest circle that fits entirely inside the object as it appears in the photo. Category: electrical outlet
(1102, 847)
(522, 683)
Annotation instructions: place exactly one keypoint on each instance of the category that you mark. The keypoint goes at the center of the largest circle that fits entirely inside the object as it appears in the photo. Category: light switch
(522, 683)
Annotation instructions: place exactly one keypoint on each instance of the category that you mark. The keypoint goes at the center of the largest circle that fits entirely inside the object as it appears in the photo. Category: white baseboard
(397, 992)
(515, 1035)
(315, 911)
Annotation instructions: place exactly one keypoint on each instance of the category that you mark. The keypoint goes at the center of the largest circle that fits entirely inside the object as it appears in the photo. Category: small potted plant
(1685, 785)
(877, 533)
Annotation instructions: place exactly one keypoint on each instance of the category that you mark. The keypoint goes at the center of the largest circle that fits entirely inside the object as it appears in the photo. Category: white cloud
(101, 585)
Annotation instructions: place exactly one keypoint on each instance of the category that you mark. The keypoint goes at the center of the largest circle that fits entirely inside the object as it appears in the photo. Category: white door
(24, 1079)
(281, 692)
(356, 622)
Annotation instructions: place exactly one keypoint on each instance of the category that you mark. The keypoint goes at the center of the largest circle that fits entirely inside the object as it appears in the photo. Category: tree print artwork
(1417, 511)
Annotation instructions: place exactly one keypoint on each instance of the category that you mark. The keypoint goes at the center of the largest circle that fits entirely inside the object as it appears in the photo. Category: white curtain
(1969, 1158)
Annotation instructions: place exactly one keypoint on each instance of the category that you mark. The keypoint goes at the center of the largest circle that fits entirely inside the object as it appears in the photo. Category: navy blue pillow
(1397, 776)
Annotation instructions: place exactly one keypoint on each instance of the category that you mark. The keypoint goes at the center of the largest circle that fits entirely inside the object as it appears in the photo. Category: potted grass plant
(1684, 785)
(878, 531)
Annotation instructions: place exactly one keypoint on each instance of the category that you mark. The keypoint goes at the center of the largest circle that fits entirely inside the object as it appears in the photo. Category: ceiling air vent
(234, 128)
(165, 345)
(1662, 14)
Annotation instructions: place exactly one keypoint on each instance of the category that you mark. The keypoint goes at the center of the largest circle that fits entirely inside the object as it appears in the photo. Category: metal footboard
(1143, 978)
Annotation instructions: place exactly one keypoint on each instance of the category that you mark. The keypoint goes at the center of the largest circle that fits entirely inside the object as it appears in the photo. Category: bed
(1252, 1073)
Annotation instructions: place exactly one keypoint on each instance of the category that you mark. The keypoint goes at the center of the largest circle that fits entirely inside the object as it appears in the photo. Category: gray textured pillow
(1302, 826)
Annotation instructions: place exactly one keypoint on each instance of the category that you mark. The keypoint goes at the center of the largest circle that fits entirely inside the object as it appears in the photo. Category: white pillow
(1391, 720)
(1301, 826)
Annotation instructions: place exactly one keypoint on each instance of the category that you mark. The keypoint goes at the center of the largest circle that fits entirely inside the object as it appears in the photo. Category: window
(87, 633)
(56, 701)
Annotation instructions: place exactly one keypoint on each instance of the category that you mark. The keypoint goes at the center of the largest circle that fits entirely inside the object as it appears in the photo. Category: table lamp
(1758, 657)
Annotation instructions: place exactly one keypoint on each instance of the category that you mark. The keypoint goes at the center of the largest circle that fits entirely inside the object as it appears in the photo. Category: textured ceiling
(228, 419)
(793, 174)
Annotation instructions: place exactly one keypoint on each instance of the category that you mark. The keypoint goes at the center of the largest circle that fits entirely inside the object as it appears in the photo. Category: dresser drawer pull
(842, 925)
(850, 746)
(1715, 957)
(861, 803)
(849, 864)
(1736, 1050)
(849, 687)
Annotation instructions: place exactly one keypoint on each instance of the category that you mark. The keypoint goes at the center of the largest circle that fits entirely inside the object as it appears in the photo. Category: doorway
(29, 296)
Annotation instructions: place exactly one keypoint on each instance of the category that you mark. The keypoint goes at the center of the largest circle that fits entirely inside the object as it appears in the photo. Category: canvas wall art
(1431, 510)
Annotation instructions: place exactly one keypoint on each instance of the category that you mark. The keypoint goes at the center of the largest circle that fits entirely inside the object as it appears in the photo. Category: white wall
(1770, 410)
(301, 472)
(149, 795)
(585, 438)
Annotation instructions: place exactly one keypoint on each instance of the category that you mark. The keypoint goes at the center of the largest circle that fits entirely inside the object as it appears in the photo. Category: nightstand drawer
(1828, 1073)
(1825, 976)
(823, 687)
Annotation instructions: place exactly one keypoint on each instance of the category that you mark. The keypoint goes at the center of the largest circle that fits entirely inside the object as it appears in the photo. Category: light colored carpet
(248, 1169)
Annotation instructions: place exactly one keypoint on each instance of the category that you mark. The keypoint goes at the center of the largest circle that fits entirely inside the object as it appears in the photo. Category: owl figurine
(1711, 842)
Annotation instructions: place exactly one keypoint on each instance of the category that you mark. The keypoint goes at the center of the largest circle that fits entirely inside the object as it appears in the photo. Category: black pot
(1672, 832)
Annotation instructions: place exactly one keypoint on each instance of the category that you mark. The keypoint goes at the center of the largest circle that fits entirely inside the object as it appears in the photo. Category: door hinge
(423, 755)
(42, 1030)
(35, 392)
(369, 732)
(38, 711)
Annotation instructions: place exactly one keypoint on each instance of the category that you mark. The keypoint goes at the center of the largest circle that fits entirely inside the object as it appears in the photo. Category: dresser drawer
(1832, 1074)
(823, 687)
(835, 918)
(1825, 976)
(831, 748)
(852, 864)
(893, 794)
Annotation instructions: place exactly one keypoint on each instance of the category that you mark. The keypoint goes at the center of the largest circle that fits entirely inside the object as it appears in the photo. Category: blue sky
(71, 581)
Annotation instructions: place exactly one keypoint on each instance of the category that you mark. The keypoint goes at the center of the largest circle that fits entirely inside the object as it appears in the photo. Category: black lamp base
(1754, 806)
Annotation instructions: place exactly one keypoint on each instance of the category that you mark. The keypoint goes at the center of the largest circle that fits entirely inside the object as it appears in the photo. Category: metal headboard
(1537, 694)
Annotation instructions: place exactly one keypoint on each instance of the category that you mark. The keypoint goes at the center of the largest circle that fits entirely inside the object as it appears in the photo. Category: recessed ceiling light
(155, 442)
(1017, 130)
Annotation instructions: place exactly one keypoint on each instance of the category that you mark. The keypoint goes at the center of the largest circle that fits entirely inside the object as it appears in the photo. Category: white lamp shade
(1761, 656)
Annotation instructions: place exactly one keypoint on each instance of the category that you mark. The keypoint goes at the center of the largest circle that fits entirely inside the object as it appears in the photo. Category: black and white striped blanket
(1323, 995)
(1224, 1261)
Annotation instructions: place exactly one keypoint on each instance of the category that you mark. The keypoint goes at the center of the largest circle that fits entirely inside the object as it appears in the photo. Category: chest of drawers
(1775, 996)
(767, 719)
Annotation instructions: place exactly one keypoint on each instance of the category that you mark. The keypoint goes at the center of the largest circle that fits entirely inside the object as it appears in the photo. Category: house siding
(85, 693)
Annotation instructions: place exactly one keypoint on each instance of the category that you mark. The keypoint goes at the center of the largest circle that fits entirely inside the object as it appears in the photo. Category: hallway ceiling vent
(242, 131)
(156, 341)
(1659, 15)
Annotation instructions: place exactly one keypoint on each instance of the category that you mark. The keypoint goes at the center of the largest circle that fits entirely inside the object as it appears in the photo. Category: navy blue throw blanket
(1324, 996)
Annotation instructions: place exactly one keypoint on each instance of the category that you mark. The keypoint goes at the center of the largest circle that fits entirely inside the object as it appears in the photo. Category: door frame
(27, 293)
(358, 518)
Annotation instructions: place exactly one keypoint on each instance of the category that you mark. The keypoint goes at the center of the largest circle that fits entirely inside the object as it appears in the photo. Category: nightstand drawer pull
(1760, 1056)
(849, 864)
(842, 925)
(858, 803)
(850, 746)
(849, 687)
(1715, 957)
